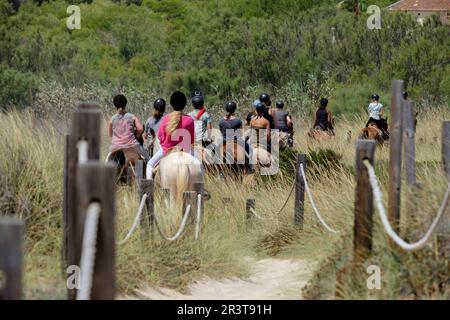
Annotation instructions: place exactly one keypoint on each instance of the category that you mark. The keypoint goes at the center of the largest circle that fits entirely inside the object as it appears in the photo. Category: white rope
(256, 214)
(88, 254)
(180, 230)
(387, 226)
(313, 204)
(136, 220)
(132, 169)
(83, 147)
(199, 215)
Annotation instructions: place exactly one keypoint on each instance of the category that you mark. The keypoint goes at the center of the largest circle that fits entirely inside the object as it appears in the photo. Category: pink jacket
(183, 136)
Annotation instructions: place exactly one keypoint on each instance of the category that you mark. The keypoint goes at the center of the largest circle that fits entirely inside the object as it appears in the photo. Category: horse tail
(183, 176)
(364, 134)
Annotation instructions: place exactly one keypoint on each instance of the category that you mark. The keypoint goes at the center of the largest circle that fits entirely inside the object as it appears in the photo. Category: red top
(183, 136)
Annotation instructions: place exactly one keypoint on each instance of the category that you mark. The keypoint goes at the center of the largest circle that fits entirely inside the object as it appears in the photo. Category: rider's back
(322, 119)
(124, 128)
(280, 118)
(183, 138)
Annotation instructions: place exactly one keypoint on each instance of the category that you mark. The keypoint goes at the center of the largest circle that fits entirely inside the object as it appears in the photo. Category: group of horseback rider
(126, 130)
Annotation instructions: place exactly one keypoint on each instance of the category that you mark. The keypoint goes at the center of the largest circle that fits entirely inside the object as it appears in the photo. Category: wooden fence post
(395, 154)
(96, 182)
(130, 176)
(147, 187)
(444, 230)
(362, 240)
(85, 124)
(409, 144)
(140, 173)
(11, 240)
(249, 205)
(446, 147)
(299, 191)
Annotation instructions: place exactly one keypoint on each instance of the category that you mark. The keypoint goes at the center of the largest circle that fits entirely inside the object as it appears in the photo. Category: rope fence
(136, 220)
(199, 216)
(82, 147)
(385, 221)
(88, 252)
(253, 211)
(313, 204)
(180, 230)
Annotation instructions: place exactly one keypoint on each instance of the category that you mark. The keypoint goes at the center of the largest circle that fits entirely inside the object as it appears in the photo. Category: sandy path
(270, 279)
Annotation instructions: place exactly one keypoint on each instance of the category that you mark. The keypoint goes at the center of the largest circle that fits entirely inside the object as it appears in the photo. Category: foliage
(224, 47)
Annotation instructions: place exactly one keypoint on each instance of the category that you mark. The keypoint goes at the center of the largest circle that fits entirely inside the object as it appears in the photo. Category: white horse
(177, 172)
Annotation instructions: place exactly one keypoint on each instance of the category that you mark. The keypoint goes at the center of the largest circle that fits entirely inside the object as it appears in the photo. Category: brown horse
(124, 158)
(372, 132)
(318, 133)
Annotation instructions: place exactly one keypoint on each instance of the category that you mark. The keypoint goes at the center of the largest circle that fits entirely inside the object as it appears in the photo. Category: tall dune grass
(31, 187)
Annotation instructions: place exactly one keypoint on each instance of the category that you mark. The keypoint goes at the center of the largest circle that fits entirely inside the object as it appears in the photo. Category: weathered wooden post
(446, 147)
(362, 240)
(249, 206)
(147, 187)
(409, 131)
(131, 177)
(11, 246)
(299, 191)
(84, 125)
(395, 154)
(444, 230)
(96, 183)
(140, 170)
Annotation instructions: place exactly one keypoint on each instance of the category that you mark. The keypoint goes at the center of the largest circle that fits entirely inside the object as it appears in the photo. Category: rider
(324, 118)
(202, 120)
(231, 122)
(376, 112)
(283, 121)
(405, 95)
(152, 124)
(124, 128)
(252, 113)
(268, 113)
(259, 122)
(170, 125)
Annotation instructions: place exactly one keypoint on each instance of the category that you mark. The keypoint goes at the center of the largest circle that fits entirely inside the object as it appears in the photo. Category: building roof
(421, 5)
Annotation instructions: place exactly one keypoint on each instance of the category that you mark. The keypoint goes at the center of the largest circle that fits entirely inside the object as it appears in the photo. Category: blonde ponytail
(174, 120)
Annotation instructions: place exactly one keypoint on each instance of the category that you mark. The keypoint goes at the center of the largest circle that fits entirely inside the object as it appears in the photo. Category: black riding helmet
(230, 106)
(197, 101)
(280, 104)
(265, 98)
(160, 105)
(323, 102)
(375, 97)
(260, 108)
(178, 100)
(405, 95)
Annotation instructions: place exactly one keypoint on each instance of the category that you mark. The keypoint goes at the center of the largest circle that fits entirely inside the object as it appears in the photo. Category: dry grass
(31, 187)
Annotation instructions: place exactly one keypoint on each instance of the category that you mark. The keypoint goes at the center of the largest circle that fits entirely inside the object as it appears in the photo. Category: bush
(16, 87)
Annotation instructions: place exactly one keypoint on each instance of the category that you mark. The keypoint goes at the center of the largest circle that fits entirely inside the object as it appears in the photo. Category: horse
(123, 158)
(178, 171)
(372, 132)
(285, 139)
(234, 158)
(318, 133)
